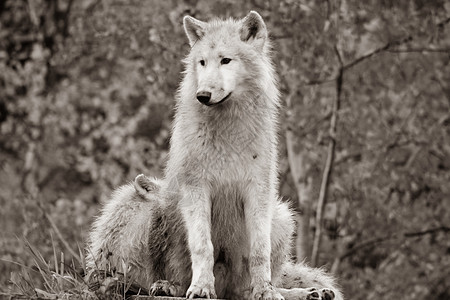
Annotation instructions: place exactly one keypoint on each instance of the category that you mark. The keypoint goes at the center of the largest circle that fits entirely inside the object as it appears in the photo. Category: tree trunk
(300, 171)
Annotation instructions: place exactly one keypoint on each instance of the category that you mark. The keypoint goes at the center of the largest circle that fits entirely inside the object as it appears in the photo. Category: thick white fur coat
(215, 225)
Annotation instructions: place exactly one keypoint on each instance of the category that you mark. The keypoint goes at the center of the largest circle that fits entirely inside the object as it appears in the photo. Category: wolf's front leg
(195, 206)
(258, 219)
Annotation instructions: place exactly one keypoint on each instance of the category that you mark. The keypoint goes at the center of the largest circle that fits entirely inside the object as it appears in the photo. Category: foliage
(86, 102)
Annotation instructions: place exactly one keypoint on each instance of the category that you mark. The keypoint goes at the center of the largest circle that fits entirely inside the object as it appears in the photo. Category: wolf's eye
(225, 61)
(202, 62)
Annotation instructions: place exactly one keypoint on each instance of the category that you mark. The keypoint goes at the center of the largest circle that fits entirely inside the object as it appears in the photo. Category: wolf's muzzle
(204, 97)
(215, 103)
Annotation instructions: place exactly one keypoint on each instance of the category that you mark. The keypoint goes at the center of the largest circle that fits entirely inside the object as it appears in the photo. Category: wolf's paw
(163, 288)
(327, 294)
(266, 292)
(320, 294)
(207, 291)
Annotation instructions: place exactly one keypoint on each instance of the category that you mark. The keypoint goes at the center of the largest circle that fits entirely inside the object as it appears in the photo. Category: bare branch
(338, 55)
(419, 50)
(346, 157)
(376, 51)
(317, 82)
(378, 240)
(389, 45)
(385, 48)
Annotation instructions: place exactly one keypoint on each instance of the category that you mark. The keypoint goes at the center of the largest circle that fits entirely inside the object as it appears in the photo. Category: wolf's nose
(204, 97)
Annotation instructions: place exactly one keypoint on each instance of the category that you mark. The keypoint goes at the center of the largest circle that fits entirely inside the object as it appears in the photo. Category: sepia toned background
(86, 102)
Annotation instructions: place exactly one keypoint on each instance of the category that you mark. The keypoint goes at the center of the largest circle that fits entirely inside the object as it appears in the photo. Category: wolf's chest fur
(224, 152)
(228, 147)
(230, 152)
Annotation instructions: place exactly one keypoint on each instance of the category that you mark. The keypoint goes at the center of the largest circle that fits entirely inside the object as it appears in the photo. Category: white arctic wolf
(215, 225)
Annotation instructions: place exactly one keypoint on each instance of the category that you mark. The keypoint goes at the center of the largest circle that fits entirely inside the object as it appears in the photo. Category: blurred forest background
(86, 102)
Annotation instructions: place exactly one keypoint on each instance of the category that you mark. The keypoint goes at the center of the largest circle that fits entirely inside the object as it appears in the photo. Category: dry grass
(58, 280)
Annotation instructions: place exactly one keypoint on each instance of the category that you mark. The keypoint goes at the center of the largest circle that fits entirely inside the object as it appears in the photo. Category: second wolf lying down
(141, 227)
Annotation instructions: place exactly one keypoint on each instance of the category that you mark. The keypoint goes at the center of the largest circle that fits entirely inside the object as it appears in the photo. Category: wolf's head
(227, 57)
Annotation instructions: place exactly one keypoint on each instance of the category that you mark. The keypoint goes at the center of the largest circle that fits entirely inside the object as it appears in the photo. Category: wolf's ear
(254, 30)
(144, 185)
(194, 29)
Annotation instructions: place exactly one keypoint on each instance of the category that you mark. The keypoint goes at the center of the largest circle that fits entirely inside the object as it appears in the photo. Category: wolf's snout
(204, 97)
